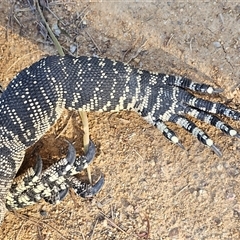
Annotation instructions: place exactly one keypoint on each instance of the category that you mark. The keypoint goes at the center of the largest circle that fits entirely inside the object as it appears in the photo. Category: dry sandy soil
(153, 190)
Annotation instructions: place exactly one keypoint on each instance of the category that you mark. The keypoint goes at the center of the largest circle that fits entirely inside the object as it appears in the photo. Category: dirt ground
(153, 189)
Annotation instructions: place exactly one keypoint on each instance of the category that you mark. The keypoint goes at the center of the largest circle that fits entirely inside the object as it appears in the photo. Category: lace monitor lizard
(37, 96)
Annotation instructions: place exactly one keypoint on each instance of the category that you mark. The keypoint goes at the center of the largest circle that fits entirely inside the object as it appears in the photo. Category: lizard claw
(86, 190)
(216, 150)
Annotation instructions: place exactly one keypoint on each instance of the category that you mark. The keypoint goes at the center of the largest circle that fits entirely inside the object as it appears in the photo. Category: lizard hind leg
(53, 184)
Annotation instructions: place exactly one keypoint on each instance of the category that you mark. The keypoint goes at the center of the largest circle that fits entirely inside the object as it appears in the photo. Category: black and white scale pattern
(53, 184)
(36, 97)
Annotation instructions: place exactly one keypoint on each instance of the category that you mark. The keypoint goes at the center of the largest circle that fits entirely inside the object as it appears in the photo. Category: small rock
(217, 44)
(153, 163)
(217, 220)
(203, 193)
(19, 14)
(220, 167)
(56, 29)
(173, 232)
(84, 23)
(137, 60)
(43, 213)
(105, 223)
(69, 8)
(79, 39)
(73, 48)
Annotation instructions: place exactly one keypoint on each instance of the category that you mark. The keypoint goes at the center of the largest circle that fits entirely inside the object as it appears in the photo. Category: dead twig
(81, 232)
(130, 48)
(55, 16)
(93, 41)
(40, 237)
(169, 40)
(10, 17)
(92, 232)
(145, 234)
(20, 229)
(113, 223)
(39, 222)
(139, 50)
(61, 131)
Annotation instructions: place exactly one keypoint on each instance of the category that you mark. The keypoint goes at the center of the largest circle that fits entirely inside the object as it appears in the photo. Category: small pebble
(56, 29)
(84, 23)
(173, 232)
(43, 213)
(220, 167)
(217, 44)
(73, 48)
